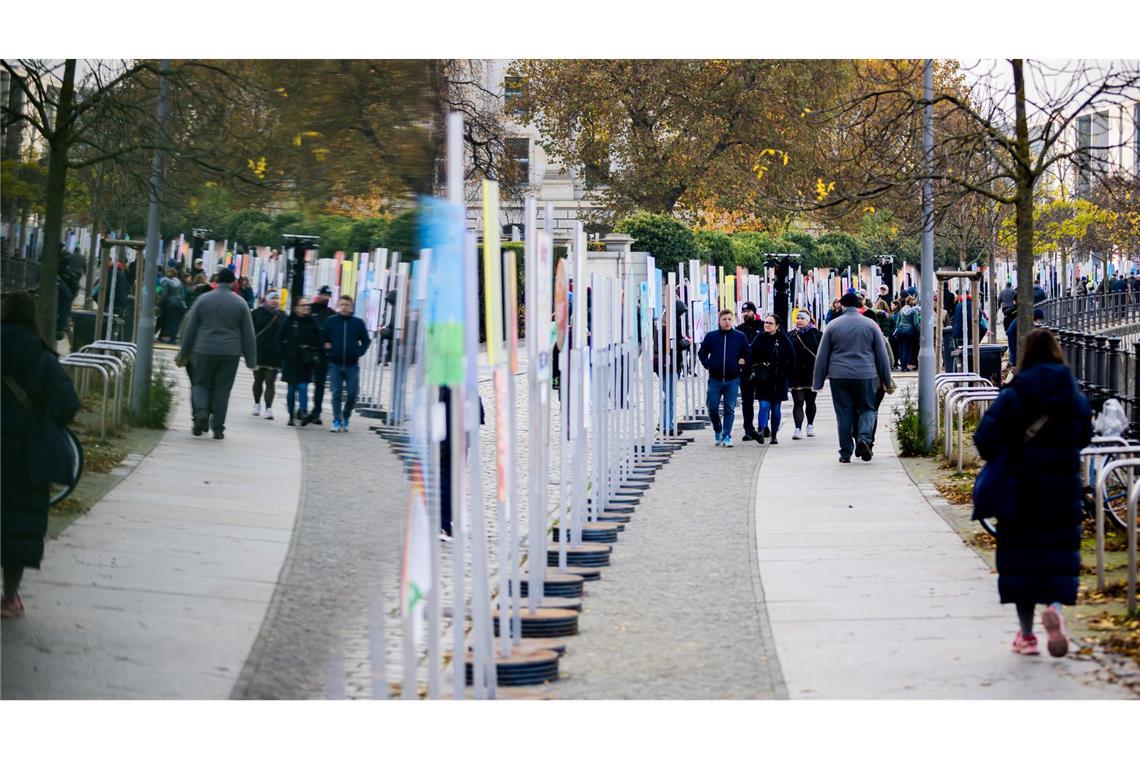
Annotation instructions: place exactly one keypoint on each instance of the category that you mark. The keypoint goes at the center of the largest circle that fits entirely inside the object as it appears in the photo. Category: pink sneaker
(1025, 644)
(1054, 623)
(11, 607)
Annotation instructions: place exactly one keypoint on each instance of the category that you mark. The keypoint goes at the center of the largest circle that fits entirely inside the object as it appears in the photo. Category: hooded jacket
(266, 324)
(773, 358)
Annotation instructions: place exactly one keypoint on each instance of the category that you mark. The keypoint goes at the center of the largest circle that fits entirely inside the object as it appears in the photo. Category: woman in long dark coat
(299, 341)
(1042, 421)
(805, 340)
(772, 360)
(32, 376)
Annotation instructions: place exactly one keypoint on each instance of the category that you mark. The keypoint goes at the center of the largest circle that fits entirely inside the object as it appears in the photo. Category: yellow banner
(492, 271)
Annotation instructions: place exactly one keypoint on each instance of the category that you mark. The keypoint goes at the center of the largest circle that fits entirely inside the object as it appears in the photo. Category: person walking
(320, 310)
(267, 320)
(345, 340)
(772, 359)
(299, 344)
(171, 306)
(245, 290)
(35, 394)
(1040, 417)
(853, 355)
(752, 329)
(218, 332)
(724, 353)
(805, 339)
(907, 334)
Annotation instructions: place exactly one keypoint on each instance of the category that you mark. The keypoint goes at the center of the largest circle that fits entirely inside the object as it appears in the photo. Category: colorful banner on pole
(441, 230)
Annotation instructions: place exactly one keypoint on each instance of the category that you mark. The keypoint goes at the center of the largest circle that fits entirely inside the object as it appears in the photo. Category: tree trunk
(1023, 213)
(59, 144)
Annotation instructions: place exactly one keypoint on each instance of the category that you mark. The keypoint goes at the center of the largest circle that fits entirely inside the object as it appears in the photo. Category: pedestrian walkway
(160, 590)
(680, 613)
(871, 594)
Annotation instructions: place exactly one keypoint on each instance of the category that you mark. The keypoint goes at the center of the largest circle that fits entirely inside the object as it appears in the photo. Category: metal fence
(18, 274)
(1105, 366)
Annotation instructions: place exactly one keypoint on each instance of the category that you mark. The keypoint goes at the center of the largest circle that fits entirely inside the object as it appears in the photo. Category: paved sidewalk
(680, 613)
(871, 594)
(160, 590)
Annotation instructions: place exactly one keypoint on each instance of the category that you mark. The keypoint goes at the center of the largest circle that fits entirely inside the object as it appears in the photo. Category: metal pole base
(584, 555)
(602, 533)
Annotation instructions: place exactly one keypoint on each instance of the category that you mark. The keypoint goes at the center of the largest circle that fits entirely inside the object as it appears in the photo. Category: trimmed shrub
(159, 399)
(714, 247)
(666, 239)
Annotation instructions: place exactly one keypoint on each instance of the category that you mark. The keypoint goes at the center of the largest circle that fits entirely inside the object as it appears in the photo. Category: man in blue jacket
(345, 339)
(724, 353)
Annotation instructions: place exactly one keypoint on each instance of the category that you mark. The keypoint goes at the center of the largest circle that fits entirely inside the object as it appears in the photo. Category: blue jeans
(668, 402)
(854, 402)
(291, 395)
(339, 377)
(728, 390)
(766, 407)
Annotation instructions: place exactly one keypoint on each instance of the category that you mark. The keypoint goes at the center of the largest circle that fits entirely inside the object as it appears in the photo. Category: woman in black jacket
(805, 339)
(1040, 422)
(34, 383)
(299, 341)
(267, 320)
(772, 360)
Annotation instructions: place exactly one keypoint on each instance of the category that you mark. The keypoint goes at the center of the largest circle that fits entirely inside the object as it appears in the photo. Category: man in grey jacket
(218, 331)
(854, 355)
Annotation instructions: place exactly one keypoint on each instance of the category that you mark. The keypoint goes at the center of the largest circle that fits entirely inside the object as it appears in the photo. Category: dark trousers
(211, 380)
(320, 376)
(803, 399)
(265, 379)
(747, 400)
(854, 402)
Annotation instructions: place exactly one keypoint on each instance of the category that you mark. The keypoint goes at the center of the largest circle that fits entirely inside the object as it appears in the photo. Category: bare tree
(995, 138)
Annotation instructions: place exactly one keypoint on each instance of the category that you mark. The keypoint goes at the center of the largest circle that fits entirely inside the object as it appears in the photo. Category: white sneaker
(727, 443)
(256, 409)
(268, 414)
(797, 435)
(811, 432)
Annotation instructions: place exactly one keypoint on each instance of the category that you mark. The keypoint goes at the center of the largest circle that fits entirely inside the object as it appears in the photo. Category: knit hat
(850, 299)
(748, 306)
(225, 276)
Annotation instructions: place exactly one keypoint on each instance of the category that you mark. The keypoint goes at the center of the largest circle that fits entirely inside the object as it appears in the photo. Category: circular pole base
(565, 585)
(584, 555)
(520, 668)
(602, 533)
(544, 624)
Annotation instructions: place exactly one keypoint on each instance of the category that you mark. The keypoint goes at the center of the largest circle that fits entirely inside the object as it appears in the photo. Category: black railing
(1105, 366)
(18, 274)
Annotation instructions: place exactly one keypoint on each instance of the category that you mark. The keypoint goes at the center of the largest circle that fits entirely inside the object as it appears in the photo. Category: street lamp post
(926, 358)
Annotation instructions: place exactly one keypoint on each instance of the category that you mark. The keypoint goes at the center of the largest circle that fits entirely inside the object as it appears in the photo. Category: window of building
(518, 158)
(512, 90)
(1082, 158)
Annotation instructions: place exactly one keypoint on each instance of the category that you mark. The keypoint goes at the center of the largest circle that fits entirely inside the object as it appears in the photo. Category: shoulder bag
(51, 458)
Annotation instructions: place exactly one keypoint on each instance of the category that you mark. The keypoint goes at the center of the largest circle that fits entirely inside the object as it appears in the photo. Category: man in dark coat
(750, 326)
(1040, 421)
(345, 339)
(724, 353)
(321, 311)
(34, 383)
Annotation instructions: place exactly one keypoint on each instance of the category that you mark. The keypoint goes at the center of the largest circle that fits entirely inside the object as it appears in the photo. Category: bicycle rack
(952, 396)
(1133, 498)
(74, 360)
(983, 397)
(1101, 481)
(947, 384)
(116, 367)
(126, 353)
